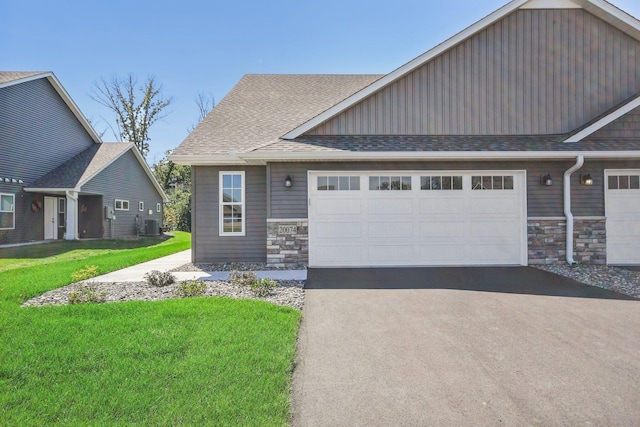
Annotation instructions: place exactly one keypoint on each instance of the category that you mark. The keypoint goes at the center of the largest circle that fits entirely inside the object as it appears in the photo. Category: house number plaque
(287, 229)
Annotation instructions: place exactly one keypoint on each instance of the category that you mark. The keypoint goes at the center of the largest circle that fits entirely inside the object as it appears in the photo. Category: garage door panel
(444, 254)
(384, 206)
(384, 230)
(622, 199)
(342, 230)
(342, 255)
(337, 206)
(494, 205)
(433, 229)
(493, 253)
(441, 206)
(489, 229)
(387, 254)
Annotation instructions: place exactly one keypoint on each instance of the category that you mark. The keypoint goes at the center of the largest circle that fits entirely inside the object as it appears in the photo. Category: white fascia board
(48, 190)
(407, 68)
(551, 4)
(436, 155)
(26, 79)
(630, 106)
(207, 160)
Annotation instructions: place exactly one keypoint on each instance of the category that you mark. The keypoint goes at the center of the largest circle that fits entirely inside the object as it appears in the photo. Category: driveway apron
(442, 353)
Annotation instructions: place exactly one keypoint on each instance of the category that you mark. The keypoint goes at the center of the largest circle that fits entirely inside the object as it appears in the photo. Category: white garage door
(623, 216)
(361, 219)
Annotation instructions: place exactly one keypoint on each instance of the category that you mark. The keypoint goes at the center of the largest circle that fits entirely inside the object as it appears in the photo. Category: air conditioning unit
(151, 227)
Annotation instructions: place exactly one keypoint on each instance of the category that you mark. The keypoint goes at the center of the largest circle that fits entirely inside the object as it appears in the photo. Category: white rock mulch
(612, 278)
(287, 293)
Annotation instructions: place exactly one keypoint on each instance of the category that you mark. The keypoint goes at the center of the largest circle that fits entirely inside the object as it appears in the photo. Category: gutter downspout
(567, 206)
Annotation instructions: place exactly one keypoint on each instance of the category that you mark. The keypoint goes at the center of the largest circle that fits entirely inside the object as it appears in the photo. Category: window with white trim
(232, 207)
(158, 207)
(121, 205)
(389, 183)
(7, 211)
(62, 222)
(338, 183)
(624, 182)
(141, 206)
(494, 182)
(441, 182)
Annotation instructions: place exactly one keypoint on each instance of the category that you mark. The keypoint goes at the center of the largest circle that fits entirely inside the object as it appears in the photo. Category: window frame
(222, 204)
(158, 207)
(12, 211)
(122, 203)
(140, 206)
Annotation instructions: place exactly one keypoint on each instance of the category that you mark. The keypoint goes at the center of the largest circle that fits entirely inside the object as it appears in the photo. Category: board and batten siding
(542, 200)
(207, 244)
(537, 71)
(38, 131)
(125, 179)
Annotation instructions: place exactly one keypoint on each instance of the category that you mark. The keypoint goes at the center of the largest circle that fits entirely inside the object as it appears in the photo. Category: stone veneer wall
(546, 240)
(288, 243)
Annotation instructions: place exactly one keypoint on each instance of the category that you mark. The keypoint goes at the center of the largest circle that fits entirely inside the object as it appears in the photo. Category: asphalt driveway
(427, 348)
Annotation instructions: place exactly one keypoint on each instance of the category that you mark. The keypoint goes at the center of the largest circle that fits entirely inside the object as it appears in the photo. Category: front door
(50, 218)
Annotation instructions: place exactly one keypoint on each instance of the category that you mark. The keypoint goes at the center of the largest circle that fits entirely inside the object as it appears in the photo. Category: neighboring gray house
(515, 142)
(57, 178)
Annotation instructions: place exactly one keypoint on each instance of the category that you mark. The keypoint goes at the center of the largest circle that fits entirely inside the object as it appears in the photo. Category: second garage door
(361, 219)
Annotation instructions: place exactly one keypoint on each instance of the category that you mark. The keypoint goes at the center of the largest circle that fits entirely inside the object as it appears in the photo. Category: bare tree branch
(134, 116)
(205, 103)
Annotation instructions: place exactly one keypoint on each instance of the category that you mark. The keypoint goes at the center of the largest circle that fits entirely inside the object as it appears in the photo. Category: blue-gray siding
(207, 244)
(627, 126)
(38, 131)
(125, 179)
(533, 72)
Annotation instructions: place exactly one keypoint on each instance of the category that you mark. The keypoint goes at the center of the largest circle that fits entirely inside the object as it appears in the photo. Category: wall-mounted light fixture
(546, 180)
(586, 179)
(288, 182)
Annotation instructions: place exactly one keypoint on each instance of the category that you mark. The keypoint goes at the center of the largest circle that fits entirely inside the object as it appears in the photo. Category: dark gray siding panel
(125, 179)
(29, 222)
(292, 202)
(38, 132)
(208, 246)
(533, 72)
(627, 126)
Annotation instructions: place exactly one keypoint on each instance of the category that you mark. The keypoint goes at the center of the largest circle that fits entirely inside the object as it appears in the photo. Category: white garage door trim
(458, 232)
(622, 210)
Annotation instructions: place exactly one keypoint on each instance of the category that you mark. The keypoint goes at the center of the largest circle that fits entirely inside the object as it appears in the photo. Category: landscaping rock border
(615, 279)
(231, 266)
(288, 293)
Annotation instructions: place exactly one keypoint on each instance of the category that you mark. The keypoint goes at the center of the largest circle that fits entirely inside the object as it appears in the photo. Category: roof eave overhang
(256, 158)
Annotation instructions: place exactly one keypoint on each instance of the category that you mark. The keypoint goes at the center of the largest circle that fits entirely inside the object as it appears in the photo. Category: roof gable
(11, 78)
(601, 9)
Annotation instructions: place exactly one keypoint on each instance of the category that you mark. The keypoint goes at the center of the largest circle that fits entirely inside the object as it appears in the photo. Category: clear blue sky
(207, 46)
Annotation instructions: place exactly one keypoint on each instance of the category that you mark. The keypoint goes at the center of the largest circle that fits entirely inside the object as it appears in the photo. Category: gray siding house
(515, 142)
(57, 178)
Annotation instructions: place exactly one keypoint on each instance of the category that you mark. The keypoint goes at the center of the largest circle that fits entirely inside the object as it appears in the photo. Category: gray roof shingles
(81, 167)
(399, 143)
(10, 76)
(263, 107)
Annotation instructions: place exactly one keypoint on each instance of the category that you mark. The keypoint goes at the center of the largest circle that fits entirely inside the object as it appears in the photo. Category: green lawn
(200, 361)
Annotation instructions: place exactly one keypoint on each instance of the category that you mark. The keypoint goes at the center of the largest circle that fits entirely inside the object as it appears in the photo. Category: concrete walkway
(136, 273)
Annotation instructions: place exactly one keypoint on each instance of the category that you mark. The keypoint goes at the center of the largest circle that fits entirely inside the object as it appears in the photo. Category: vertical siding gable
(38, 131)
(533, 72)
(125, 179)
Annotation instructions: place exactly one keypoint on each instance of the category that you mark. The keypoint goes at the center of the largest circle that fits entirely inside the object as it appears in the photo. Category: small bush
(85, 294)
(159, 278)
(263, 287)
(191, 288)
(84, 273)
(242, 278)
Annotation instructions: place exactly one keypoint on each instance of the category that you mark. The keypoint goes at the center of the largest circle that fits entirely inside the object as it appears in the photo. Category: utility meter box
(109, 213)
